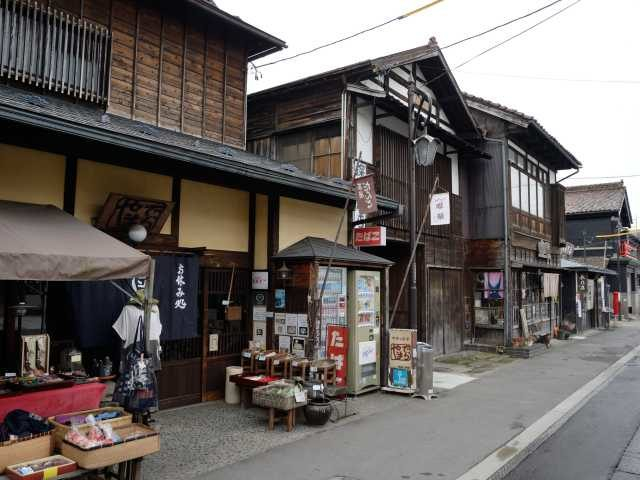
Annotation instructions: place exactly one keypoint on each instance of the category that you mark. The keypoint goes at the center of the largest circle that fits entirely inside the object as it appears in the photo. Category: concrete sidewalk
(445, 437)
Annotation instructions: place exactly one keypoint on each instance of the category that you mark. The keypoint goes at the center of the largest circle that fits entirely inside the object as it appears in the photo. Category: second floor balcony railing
(53, 50)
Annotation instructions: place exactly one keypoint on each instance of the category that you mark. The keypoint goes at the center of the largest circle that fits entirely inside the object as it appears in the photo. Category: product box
(61, 430)
(24, 450)
(139, 441)
(41, 470)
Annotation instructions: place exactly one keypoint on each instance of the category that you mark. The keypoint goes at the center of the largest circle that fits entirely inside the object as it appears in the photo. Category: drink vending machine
(364, 319)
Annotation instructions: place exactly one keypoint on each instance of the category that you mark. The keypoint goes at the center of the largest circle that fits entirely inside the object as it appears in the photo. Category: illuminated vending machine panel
(364, 331)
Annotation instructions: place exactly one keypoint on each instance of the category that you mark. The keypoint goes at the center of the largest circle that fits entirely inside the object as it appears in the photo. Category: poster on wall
(284, 343)
(337, 349)
(280, 323)
(292, 323)
(590, 293)
(259, 313)
(259, 298)
(260, 280)
(280, 299)
(303, 325)
(260, 333)
(298, 346)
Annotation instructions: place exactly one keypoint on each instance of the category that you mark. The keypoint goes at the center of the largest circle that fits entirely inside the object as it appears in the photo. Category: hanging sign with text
(337, 347)
(370, 237)
(366, 194)
(440, 209)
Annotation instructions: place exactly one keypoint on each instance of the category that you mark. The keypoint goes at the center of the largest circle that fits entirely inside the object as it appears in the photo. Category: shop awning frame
(44, 243)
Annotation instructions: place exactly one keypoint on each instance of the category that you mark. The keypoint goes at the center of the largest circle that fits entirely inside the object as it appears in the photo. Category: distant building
(598, 210)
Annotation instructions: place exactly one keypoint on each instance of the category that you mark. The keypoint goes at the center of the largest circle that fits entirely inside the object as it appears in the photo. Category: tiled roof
(523, 118)
(599, 197)
(314, 248)
(89, 121)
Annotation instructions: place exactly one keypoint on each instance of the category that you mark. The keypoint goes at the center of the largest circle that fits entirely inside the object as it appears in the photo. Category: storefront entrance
(226, 331)
(444, 310)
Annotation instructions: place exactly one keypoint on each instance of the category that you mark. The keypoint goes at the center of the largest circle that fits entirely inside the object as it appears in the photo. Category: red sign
(337, 348)
(370, 236)
(366, 194)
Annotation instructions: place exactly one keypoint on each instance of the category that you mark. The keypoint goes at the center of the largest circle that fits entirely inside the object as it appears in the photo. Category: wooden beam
(224, 89)
(70, 179)
(176, 191)
(135, 65)
(204, 80)
(251, 247)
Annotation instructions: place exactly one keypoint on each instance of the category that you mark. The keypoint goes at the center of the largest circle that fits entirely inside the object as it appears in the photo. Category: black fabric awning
(319, 249)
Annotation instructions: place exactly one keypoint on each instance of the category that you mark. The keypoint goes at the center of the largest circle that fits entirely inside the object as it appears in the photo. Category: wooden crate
(101, 457)
(61, 430)
(24, 450)
(52, 472)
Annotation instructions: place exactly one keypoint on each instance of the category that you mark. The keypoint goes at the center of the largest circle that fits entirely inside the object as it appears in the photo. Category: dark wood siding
(391, 159)
(306, 107)
(176, 73)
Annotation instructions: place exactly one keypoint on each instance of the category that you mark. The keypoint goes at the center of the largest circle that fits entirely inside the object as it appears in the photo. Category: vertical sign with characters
(180, 302)
(440, 209)
(337, 348)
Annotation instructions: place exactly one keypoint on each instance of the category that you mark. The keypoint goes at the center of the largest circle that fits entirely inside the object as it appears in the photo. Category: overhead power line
(609, 177)
(499, 44)
(509, 22)
(349, 37)
(555, 79)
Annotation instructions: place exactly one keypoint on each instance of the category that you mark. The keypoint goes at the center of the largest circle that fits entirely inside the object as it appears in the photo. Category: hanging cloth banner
(366, 194)
(440, 209)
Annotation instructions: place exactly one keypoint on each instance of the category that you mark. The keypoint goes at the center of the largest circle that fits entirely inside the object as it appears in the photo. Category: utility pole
(413, 284)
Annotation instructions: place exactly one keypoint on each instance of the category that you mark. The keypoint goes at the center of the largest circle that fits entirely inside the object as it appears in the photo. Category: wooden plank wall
(391, 160)
(177, 73)
(307, 107)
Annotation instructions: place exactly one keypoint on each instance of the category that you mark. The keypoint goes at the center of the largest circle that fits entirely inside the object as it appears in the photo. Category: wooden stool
(290, 418)
(246, 360)
(324, 370)
(299, 368)
(261, 362)
(278, 365)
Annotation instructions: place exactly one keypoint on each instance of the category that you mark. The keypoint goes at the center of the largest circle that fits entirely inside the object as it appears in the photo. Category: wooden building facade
(515, 227)
(147, 100)
(354, 120)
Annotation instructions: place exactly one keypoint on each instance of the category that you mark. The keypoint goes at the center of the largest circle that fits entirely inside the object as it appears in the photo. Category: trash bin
(424, 369)
(231, 390)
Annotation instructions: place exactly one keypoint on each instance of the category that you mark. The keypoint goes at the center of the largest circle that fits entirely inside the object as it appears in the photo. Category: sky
(581, 68)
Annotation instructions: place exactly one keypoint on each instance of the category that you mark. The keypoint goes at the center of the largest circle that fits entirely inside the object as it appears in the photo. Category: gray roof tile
(600, 197)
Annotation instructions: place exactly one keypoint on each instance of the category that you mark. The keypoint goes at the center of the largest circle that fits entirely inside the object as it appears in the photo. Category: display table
(48, 403)
(247, 383)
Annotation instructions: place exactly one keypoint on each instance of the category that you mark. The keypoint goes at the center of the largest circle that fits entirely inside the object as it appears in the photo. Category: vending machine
(364, 321)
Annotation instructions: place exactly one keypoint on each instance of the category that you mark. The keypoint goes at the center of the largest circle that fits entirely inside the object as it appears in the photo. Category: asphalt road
(590, 445)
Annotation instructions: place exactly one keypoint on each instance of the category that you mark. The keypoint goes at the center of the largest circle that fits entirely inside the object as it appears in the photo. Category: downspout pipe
(508, 317)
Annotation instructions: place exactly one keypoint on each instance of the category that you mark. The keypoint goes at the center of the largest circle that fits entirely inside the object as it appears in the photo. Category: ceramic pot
(317, 412)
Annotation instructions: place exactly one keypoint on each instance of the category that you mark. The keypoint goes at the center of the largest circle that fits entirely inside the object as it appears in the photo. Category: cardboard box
(99, 457)
(61, 429)
(52, 472)
(25, 450)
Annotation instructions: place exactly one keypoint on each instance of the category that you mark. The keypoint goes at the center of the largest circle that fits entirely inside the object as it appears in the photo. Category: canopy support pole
(148, 305)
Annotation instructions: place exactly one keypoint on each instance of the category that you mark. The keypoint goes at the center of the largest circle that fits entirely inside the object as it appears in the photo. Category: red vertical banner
(337, 349)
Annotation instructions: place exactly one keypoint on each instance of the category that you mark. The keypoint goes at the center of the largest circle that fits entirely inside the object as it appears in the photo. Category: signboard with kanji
(337, 348)
(402, 354)
(440, 209)
(366, 194)
(370, 237)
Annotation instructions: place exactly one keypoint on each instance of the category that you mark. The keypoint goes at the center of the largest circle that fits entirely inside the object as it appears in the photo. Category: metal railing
(47, 48)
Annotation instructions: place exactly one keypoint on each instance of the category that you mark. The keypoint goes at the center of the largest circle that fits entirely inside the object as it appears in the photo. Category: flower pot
(317, 412)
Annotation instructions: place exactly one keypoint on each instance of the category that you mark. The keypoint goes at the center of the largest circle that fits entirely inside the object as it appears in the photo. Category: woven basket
(265, 397)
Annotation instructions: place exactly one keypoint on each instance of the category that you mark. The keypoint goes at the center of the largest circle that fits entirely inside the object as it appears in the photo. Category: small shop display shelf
(42, 468)
(138, 441)
(23, 450)
(60, 429)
